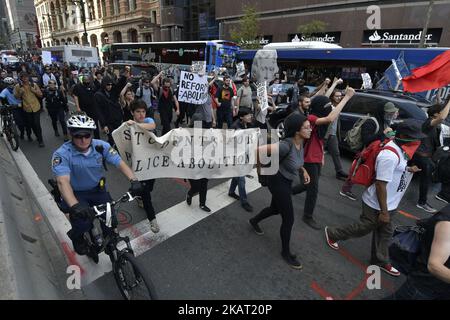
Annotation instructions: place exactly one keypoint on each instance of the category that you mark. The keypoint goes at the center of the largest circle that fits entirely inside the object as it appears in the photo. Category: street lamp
(84, 38)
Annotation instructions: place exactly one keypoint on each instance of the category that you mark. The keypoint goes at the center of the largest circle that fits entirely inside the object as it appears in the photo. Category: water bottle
(97, 232)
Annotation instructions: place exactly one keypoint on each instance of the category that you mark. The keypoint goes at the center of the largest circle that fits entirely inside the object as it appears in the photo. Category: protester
(30, 94)
(290, 150)
(98, 80)
(244, 122)
(139, 110)
(47, 76)
(321, 115)
(374, 128)
(224, 98)
(430, 277)
(244, 95)
(56, 103)
(382, 198)
(167, 102)
(422, 158)
(304, 102)
(126, 98)
(296, 91)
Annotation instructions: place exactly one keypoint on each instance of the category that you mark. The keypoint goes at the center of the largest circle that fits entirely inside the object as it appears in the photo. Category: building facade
(347, 22)
(20, 18)
(188, 20)
(106, 22)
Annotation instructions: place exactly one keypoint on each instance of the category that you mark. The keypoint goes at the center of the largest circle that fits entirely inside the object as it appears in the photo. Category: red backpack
(362, 170)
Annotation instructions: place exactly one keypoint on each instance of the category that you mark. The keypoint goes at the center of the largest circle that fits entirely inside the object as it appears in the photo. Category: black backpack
(264, 179)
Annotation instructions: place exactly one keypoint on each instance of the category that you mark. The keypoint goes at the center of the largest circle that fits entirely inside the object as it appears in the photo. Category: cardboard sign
(261, 91)
(240, 68)
(198, 67)
(367, 81)
(46, 57)
(193, 88)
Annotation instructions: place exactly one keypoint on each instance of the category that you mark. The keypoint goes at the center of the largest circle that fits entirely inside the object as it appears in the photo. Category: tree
(315, 26)
(246, 35)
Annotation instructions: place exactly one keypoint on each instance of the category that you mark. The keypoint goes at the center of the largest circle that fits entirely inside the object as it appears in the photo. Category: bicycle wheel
(133, 283)
(13, 137)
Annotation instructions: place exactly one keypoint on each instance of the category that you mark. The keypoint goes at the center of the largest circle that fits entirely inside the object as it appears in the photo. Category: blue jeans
(239, 182)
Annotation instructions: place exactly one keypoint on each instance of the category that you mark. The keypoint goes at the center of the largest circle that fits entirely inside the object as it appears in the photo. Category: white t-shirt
(389, 169)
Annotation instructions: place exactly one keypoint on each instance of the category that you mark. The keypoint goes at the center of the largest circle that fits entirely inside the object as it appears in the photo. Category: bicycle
(133, 283)
(8, 125)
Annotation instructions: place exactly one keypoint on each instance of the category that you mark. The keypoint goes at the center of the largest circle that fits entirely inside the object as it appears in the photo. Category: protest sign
(240, 68)
(193, 88)
(367, 81)
(198, 67)
(46, 57)
(261, 91)
(193, 153)
(277, 88)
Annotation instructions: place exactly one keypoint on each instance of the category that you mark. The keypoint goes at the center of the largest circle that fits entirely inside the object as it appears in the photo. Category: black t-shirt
(429, 144)
(86, 99)
(421, 277)
(225, 96)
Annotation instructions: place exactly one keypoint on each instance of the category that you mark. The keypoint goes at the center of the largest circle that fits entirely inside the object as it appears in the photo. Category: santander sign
(386, 36)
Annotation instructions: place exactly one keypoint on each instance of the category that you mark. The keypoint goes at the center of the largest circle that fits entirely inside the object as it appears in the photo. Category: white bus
(78, 55)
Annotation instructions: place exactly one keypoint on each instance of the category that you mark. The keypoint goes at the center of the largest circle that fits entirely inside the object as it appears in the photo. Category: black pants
(312, 188)
(199, 186)
(426, 164)
(18, 115)
(58, 115)
(147, 198)
(182, 115)
(166, 120)
(33, 122)
(281, 203)
(224, 114)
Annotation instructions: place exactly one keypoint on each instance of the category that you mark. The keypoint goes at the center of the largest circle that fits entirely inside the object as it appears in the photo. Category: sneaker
(426, 207)
(292, 261)
(389, 269)
(341, 176)
(154, 226)
(255, 227)
(332, 244)
(234, 195)
(348, 194)
(247, 207)
(140, 202)
(312, 223)
(205, 208)
(188, 199)
(441, 198)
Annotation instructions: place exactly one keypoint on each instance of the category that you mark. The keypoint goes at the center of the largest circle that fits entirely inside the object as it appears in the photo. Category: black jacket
(109, 109)
(55, 100)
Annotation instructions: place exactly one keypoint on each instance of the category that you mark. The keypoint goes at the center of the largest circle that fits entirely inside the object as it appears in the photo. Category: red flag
(433, 75)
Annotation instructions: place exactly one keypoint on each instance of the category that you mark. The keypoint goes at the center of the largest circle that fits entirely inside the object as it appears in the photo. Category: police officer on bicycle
(79, 169)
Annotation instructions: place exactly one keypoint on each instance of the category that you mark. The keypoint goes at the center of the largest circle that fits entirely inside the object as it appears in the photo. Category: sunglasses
(82, 136)
(109, 84)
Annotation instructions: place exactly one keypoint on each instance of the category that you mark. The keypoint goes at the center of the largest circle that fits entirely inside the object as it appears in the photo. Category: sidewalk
(32, 264)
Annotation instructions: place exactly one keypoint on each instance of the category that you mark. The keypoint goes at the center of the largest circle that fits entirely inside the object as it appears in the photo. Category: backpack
(354, 137)
(264, 179)
(362, 170)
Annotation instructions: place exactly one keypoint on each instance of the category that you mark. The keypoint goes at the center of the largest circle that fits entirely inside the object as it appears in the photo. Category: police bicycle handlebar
(107, 207)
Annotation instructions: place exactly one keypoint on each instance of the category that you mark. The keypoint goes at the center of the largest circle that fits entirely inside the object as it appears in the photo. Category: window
(363, 105)
(103, 5)
(116, 7)
(153, 16)
(132, 5)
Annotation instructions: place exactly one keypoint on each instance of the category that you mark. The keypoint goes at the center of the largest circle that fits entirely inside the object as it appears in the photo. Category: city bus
(81, 56)
(313, 65)
(175, 56)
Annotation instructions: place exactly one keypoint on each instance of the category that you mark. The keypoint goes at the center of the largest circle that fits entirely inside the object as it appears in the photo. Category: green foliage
(314, 26)
(246, 34)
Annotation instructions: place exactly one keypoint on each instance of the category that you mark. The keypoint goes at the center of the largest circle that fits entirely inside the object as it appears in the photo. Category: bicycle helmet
(9, 81)
(80, 121)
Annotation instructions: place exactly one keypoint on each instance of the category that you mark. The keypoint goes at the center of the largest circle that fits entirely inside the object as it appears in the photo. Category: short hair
(435, 108)
(302, 98)
(24, 75)
(245, 78)
(98, 72)
(138, 104)
(167, 80)
(226, 77)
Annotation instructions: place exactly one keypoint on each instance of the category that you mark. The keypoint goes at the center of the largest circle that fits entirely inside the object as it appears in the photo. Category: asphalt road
(220, 257)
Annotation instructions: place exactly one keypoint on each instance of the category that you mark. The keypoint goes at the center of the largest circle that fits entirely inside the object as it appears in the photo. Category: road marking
(408, 215)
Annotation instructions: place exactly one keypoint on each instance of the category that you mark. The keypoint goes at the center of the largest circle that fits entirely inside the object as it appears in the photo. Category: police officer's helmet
(80, 121)
(9, 81)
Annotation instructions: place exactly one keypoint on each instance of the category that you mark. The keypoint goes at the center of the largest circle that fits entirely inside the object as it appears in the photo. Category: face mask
(388, 118)
(409, 146)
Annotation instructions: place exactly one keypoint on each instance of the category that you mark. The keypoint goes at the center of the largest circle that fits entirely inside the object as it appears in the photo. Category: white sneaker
(154, 226)
(426, 207)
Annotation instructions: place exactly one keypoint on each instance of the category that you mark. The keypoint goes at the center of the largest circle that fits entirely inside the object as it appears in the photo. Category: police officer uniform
(86, 171)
